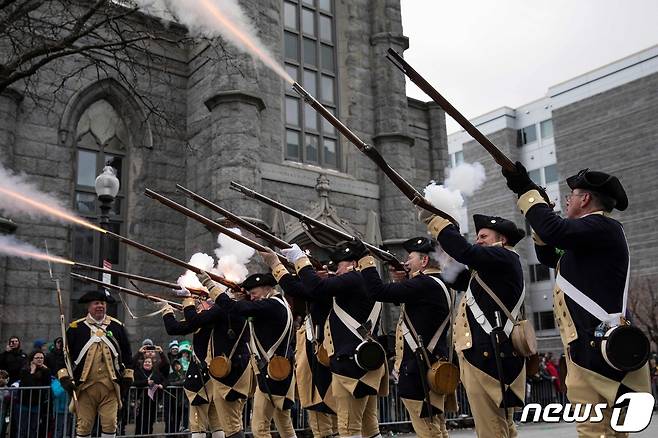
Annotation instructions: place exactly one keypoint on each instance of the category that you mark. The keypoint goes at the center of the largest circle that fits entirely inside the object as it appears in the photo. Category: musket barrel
(254, 229)
(171, 259)
(130, 276)
(420, 81)
(402, 184)
(154, 298)
(380, 253)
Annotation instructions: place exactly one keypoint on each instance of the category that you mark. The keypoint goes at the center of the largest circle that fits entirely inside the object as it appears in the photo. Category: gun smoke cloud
(212, 18)
(232, 257)
(20, 197)
(13, 247)
(463, 180)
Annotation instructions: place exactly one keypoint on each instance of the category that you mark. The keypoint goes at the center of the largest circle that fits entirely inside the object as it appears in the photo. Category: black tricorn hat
(255, 280)
(505, 227)
(96, 295)
(350, 250)
(419, 244)
(600, 182)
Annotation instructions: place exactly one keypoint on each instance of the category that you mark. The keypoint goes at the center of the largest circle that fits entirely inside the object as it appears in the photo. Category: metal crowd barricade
(37, 412)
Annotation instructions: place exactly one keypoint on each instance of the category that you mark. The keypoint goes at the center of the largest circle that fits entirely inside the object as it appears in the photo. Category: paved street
(543, 430)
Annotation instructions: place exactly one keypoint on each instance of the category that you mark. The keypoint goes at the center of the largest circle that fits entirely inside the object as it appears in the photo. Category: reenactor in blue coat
(357, 362)
(100, 351)
(424, 322)
(216, 403)
(270, 336)
(311, 362)
(589, 250)
(495, 266)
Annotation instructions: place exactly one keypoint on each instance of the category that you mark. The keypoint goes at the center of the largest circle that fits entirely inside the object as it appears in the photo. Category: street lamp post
(107, 188)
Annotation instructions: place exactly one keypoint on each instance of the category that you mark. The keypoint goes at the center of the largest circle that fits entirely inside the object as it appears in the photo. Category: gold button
(468, 344)
(466, 334)
(559, 303)
(531, 199)
(591, 343)
(572, 335)
(485, 354)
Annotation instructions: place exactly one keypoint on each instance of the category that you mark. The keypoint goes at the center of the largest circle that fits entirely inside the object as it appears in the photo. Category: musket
(211, 223)
(130, 276)
(132, 292)
(422, 360)
(68, 363)
(378, 252)
(405, 187)
(496, 334)
(217, 278)
(499, 157)
(254, 229)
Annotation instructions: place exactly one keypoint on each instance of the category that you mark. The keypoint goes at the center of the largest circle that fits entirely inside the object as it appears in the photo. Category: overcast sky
(481, 55)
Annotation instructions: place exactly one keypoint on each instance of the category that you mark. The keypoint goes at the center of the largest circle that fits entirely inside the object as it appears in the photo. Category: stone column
(438, 141)
(9, 101)
(391, 131)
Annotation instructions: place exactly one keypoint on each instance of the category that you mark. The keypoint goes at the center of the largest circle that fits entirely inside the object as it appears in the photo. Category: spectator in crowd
(13, 360)
(185, 352)
(62, 421)
(55, 358)
(174, 406)
(155, 353)
(150, 384)
(5, 401)
(173, 353)
(40, 345)
(34, 402)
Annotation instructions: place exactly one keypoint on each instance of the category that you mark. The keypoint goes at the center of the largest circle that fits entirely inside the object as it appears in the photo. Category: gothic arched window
(101, 139)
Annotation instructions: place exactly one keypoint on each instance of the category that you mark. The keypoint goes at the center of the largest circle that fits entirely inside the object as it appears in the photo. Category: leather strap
(355, 326)
(479, 315)
(590, 305)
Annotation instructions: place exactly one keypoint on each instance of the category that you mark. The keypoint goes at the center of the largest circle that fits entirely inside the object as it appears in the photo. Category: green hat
(185, 346)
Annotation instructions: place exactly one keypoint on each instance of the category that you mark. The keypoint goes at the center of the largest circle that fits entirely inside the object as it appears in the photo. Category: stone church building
(234, 120)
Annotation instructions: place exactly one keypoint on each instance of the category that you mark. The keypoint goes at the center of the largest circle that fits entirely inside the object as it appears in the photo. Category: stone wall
(228, 126)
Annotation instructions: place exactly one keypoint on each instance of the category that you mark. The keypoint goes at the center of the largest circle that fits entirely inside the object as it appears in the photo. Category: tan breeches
(425, 427)
(370, 423)
(230, 414)
(263, 413)
(356, 416)
(93, 400)
(581, 389)
(204, 418)
(490, 422)
(322, 424)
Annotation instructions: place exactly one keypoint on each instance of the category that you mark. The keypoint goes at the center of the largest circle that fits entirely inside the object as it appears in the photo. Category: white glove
(294, 253)
(166, 308)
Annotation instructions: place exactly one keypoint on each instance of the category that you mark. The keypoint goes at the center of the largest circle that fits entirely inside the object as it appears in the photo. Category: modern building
(230, 118)
(606, 119)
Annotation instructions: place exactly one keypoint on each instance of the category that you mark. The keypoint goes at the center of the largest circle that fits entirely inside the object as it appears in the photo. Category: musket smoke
(232, 257)
(463, 180)
(189, 279)
(212, 18)
(20, 197)
(11, 246)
